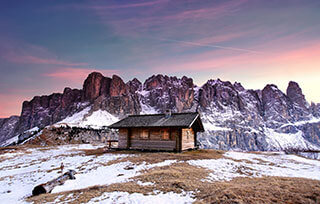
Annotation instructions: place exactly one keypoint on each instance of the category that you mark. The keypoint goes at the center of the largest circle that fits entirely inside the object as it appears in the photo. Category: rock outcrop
(163, 92)
(45, 110)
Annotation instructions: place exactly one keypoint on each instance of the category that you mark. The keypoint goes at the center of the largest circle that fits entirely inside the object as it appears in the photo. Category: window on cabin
(165, 134)
(144, 134)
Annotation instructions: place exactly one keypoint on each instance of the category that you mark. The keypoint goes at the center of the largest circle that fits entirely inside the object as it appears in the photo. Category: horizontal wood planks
(153, 144)
(122, 140)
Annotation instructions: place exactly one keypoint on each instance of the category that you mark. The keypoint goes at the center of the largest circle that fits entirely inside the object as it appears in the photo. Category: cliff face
(45, 110)
(7, 127)
(234, 117)
(163, 92)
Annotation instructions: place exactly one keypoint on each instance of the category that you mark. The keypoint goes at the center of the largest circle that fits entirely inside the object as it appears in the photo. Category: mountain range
(233, 117)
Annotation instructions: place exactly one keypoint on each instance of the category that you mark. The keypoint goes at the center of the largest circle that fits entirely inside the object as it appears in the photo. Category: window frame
(162, 133)
(142, 136)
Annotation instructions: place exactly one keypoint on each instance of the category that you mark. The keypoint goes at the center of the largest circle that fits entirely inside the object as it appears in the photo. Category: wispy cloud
(210, 46)
(38, 60)
(130, 5)
(24, 53)
(163, 16)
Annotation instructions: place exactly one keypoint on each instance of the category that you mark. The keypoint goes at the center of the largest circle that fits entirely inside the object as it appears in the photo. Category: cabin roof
(184, 120)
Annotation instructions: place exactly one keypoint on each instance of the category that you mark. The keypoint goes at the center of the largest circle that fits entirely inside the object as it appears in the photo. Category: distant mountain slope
(7, 127)
(234, 117)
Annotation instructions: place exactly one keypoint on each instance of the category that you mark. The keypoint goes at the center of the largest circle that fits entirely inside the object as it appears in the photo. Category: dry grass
(262, 190)
(97, 152)
(181, 176)
(156, 157)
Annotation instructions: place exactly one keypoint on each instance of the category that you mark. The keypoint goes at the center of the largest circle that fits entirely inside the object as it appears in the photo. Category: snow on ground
(124, 197)
(105, 175)
(97, 119)
(238, 164)
(285, 140)
(21, 171)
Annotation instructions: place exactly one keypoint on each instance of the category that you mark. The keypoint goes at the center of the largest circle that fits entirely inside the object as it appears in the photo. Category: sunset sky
(48, 45)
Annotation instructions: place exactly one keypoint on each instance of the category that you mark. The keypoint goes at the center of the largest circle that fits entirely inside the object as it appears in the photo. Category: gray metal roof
(160, 120)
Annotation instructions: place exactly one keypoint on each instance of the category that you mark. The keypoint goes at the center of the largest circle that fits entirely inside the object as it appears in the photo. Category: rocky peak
(238, 86)
(154, 81)
(315, 109)
(117, 86)
(295, 94)
(92, 86)
(220, 94)
(275, 104)
(134, 85)
(166, 92)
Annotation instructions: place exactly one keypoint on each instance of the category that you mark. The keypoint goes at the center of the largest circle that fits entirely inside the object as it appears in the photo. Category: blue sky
(48, 45)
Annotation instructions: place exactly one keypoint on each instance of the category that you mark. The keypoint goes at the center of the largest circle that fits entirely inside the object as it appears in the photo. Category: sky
(48, 45)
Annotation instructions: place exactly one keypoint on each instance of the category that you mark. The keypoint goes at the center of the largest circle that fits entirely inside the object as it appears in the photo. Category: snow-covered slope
(96, 119)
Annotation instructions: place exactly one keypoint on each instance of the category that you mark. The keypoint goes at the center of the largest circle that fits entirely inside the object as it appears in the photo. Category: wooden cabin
(169, 132)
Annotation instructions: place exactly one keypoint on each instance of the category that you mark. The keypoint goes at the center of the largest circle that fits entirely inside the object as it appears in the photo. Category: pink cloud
(10, 104)
(228, 34)
(207, 12)
(77, 75)
(38, 60)
(303, 58)
(24, 53)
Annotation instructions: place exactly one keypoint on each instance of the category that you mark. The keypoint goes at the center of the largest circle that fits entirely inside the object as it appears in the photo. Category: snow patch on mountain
(285, 141)
(97, 119)
(303, 122)
(13, 140)
(146, 109)
(212, 127)
(76, 118)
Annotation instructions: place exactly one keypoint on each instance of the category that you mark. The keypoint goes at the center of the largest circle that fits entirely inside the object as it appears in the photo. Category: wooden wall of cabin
(188, 139)
(154, 138)
(123, 138)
